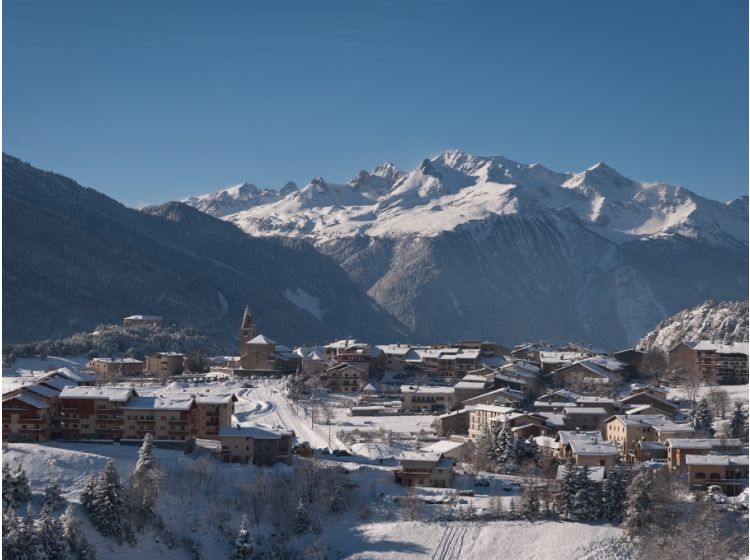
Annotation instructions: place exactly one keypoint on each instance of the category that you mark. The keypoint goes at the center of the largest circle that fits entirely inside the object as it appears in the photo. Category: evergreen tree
(108, 505)
(485, 448)
(50, 534)
(506, 447)
(301, 518)
(89, 488)
(638, 503)
(20, 492)
(737, 425)
(614, 492)
(33, 547)
(512, 509)
(701, 418)
(53, 497)
(565, 499)
(584, 499)
(530, 502)
(14, 545)
(7, 487)
(531, 450)
(144, 482)
(242, 548)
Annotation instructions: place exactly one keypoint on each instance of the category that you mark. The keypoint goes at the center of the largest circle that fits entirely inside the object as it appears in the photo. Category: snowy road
(266, 403)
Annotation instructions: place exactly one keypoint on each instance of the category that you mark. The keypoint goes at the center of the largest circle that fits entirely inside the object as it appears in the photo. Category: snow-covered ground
(69, 463)
(735, 392)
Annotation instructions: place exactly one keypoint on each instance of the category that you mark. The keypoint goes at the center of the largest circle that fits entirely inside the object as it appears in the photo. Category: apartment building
(165, 363)
(345, 378)
(26, 417)
(728, 471)
(170, 418)
(258, 445)
(93, 412)
(679, 448)
(626, 431)
(109, 367)
(427, 398)
(424, 469)
(481, 415)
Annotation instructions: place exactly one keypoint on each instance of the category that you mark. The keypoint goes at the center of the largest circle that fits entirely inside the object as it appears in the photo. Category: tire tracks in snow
(451, 543)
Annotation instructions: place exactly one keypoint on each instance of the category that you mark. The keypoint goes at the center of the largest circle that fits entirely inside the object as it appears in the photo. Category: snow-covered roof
(443, 446)
(566, 436)
(144, 317)
(594, 400)
(58, 382)
(42, 390)
(31, 400)
(255, 432)
(427, 389)
(708, 345)
(470, 385)
(703, 443)
(261, 339)
(596, 474)
(553, 357)
(584, 410)
(112, 394)
(117, 360)
(73, 375)
(168, 354)
(638, 409)
(717, 460)
(171, 402)
(593, 447)
(209, 398)
(370, 388)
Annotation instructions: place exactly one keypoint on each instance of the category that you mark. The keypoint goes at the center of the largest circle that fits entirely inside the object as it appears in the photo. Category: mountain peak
(289, 188)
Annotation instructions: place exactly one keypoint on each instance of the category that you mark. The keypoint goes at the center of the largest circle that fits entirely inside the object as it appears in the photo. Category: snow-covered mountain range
(470, 246)
(724, 322)
(456, 188)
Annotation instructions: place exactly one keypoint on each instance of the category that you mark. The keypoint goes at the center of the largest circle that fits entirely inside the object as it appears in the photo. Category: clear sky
(151, 100)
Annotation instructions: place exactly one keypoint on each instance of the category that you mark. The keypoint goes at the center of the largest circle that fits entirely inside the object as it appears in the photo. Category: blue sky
(151, 101)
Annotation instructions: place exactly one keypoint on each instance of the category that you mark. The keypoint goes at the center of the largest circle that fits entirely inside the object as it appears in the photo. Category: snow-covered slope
(725, 322)
(237, 198)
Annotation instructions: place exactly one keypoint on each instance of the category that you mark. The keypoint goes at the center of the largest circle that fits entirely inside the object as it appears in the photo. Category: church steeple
(247, 330)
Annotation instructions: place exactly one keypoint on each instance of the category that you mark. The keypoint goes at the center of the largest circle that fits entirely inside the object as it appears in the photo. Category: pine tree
(144, 482)
(614, 492)
(701, 418)
(71, 527)
(301, 518)
(53, 497)
(33, 547)
(20, 488)
(529, 502)
(584, 500)
(108, 505)
(14, 545)
(512, 509)
(737, 425)
(7, 487)
(89, 488)
(565, 499)
(50, 534)
(531, 450)
(638, 504)
(242, 549)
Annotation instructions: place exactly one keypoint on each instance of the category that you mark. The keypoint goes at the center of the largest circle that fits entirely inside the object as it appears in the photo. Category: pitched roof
(113, 394)
(261, 339)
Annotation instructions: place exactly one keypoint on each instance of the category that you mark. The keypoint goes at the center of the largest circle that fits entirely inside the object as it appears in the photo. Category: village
(471, 430)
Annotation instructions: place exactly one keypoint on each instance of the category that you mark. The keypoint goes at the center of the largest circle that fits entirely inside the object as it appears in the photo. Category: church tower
(247, 330)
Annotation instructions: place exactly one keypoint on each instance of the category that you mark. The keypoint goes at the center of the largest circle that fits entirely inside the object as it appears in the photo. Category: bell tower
(247, 330)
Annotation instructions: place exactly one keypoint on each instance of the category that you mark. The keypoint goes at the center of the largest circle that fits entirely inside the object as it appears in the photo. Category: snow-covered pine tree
(565, 498)
(737, 425)
(584, 501)
(89, 488)
(242, 548)
(33, 547)
(50, 534)
(7, 487)
(144, 483)
(507, 447)
(20, 488)
(14, 545)
(71, 527)
(614, 492)
(484, 454)
(529, 502)
(701, 418)
(638, 503)
(512, 509)
(53, 497)
(531, 450)
(301, 518)
(109, 507)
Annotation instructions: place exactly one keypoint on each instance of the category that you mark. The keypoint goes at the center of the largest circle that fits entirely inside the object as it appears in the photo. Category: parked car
(342, 453)
(481, 482)
(465, 492)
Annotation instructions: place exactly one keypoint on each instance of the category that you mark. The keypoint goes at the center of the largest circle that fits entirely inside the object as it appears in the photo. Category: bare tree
(654, 364)
(718, 398)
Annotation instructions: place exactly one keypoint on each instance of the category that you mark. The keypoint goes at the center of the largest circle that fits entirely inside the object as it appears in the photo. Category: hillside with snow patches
(723, 322)
(470, 246)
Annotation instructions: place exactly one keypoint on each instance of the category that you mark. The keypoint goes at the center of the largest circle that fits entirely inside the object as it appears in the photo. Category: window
(700, 475)
(714, 476)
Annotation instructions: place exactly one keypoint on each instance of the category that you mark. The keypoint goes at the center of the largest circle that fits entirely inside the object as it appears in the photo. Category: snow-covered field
(68, 464)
